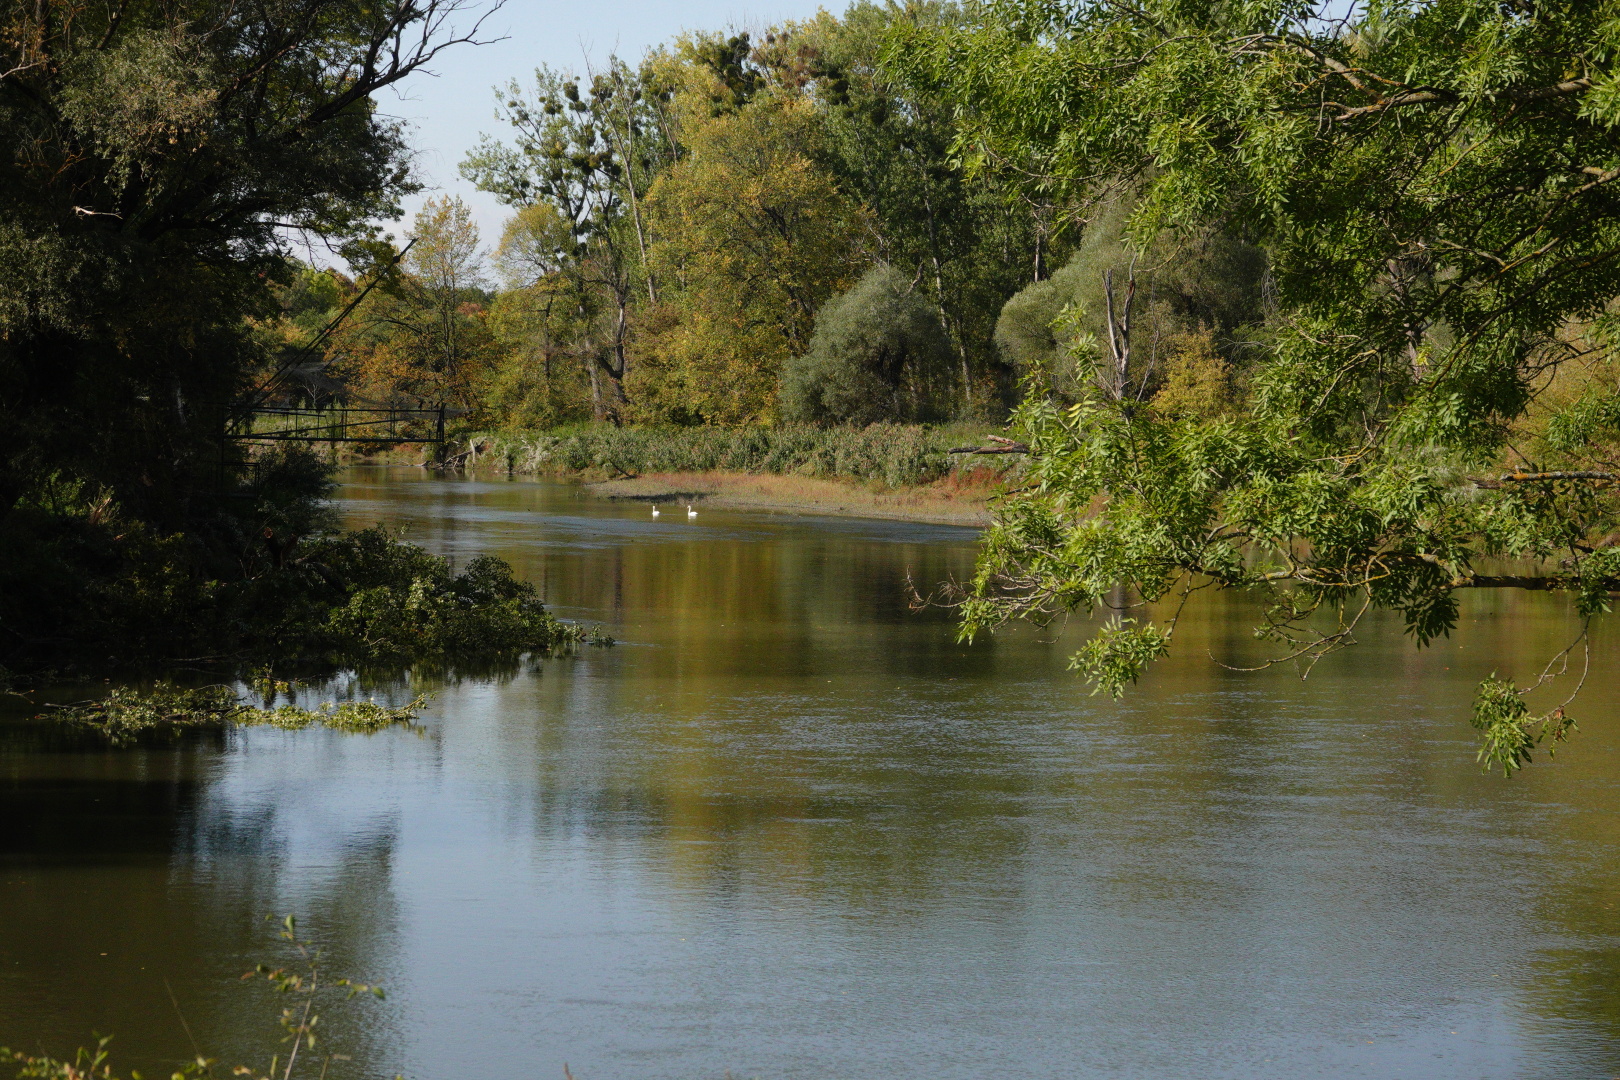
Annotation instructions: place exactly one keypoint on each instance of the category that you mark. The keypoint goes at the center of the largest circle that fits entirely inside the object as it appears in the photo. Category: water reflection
(789, 828)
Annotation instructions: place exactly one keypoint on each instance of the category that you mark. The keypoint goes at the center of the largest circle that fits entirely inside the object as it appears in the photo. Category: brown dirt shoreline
(942, 503)
(959, 499)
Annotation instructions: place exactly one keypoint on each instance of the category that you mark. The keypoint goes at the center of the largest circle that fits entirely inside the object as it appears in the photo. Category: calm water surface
(787, 828)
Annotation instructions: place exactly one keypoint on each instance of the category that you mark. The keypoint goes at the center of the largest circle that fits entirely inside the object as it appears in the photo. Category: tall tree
(542, 319)
(1436, 187)
(889, 144)
(420, 338)
(751, 235)
(155, 156)
(589, 153)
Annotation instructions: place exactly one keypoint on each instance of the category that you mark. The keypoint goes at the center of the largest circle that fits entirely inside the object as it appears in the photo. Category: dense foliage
(1434, 188)
(683, 223)
(267, 583)
(154, 158)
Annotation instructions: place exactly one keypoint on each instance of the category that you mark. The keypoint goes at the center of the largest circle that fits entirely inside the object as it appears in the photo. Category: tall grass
(897, 455)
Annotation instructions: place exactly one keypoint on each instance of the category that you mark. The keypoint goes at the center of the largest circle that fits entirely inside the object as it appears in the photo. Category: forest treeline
(745, 230)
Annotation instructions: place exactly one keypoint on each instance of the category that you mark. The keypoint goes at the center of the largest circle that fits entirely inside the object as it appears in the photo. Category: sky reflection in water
(789, 828)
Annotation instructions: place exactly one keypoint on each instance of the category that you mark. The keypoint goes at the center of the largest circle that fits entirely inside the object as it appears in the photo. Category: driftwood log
(1004, 446)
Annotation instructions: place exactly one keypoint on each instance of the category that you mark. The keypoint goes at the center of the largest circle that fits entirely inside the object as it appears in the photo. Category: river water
(789, 829)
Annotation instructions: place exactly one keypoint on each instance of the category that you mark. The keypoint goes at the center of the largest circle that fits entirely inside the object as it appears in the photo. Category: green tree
(1122, 315)
(879, 353)
(542, 319)
(1435, 187)
(156, 156)
(970, 245)
(751, 235)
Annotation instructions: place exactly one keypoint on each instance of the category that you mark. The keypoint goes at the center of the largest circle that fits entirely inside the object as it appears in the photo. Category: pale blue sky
(449, 110)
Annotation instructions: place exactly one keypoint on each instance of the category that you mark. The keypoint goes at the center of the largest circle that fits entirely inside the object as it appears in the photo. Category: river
(788, 828)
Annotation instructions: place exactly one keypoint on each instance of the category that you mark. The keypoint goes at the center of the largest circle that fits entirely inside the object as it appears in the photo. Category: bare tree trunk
(1119, 332)
(939, 302)
(625, 149)
(598, 411)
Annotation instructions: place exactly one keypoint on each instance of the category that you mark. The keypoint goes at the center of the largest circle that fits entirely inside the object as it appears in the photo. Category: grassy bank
(892, 455)
(882, 471)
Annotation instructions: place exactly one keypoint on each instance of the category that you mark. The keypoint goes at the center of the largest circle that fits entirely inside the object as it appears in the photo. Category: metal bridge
(341, 424)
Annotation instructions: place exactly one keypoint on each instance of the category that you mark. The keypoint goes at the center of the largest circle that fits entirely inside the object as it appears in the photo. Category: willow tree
(1437, 188)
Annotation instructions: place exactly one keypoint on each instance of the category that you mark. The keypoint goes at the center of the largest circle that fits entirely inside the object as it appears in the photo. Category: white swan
(655, 509)
(689, 511)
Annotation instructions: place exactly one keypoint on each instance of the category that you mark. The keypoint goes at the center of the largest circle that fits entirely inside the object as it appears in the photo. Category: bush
(392, 601)
(879, 353)
(85, 590)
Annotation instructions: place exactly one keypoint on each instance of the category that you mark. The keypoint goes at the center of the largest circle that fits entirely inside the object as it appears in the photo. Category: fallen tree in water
(127, 713)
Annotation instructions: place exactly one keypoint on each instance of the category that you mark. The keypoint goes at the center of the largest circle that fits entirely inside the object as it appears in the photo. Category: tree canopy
(1434, 187)
(879, 353)
(155, 158)
(724, 189)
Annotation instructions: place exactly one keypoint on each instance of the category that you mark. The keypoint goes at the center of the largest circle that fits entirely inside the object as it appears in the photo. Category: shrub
(879, 353)
(388, 601)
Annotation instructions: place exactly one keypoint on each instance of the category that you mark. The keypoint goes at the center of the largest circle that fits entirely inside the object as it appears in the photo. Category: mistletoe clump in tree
(1437, 190)
(579, 175)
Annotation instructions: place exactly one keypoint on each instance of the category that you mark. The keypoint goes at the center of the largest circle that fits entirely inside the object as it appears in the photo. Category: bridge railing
(342, 424)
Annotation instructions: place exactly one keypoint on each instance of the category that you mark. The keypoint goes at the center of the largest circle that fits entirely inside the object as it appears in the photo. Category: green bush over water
(380, 600)
(262, 579)
(898, 455)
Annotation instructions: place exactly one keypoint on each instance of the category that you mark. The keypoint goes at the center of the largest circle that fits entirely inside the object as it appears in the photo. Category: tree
(878, 353)
(750, 237)
(1435, 187)
(889, 145)
(155, 156)
(420, 339)
(589, 155)
(543, 376)
(1124, 316)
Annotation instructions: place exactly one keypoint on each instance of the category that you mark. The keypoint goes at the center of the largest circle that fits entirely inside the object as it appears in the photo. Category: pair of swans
(691, 513)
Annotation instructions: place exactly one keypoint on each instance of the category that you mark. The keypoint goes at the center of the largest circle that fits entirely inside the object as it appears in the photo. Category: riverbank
(959, 499)
(892, 471)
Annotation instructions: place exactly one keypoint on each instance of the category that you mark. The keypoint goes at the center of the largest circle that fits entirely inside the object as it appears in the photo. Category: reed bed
(896, 455)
